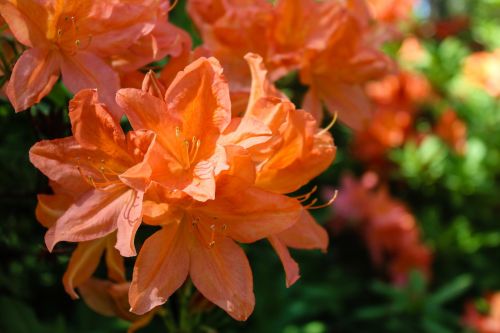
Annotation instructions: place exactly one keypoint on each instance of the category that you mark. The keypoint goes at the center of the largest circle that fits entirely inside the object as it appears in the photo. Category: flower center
(69, 37)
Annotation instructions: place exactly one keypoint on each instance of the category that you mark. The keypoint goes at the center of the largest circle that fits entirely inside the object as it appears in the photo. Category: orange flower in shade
(74, 38)
(453, 131)
(107, 297)
(104, 167)
(390, 230)
(484, 323)
(335, 56)
(297, 152)
(483, 70)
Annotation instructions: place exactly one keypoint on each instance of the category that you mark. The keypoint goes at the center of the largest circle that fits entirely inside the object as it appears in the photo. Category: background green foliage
(455, 199)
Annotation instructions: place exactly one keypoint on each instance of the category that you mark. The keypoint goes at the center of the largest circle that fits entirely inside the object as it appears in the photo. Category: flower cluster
(487, 322)
(205, 178)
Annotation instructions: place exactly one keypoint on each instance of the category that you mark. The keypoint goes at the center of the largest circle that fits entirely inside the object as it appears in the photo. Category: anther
(177, 131)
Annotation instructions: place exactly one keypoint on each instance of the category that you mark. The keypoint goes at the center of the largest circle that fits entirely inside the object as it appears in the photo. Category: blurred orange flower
(390, 230)
(395, 99)
(453, 131)
(483, 70)
(335, 55)
(484, 323)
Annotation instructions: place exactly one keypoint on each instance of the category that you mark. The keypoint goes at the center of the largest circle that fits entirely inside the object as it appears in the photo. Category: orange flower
(483, 70)
(391, 11)
(453, 131)
(102, 166)
(395, 98)
(333, 54)
(74, 38)
(484, 323)
(297, 152)
(390, 230)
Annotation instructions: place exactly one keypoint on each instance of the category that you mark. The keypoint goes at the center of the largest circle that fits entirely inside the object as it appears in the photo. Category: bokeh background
(415, 231)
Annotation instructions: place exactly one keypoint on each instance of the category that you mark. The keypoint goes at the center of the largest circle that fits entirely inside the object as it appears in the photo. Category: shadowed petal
(33, 76)
(305, 234)
(84, 70)
(223, 275)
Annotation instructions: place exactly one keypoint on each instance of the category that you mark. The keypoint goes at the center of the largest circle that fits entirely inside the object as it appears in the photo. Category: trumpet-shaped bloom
(74, 38)
(100, 163)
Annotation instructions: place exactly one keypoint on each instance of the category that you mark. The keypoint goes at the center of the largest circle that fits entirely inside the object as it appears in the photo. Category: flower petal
(305, 234)
(33, 76)
(223, 275)
(27, 21)
(84, 70)
(250, 213)
(83, 264)
(291, 267)
(161, 268)
(94, 215)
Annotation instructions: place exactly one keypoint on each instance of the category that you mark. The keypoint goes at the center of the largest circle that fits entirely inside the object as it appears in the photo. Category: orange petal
(83, 264)
(161, 268)
(128, 222)
(33, 76)
(57, 159)
(223, 275)
(95, 293)
(94, 215)
(291, 267)
(251, 214)
(51, 207)
(312, 104)
(246, 132)
(199, 96)
(93, 126)
(27, 21)
(114, 261)
(305, 234)
(349, 101)
(84, 70)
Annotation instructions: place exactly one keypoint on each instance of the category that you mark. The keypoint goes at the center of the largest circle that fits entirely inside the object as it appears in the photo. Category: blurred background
(415, 231)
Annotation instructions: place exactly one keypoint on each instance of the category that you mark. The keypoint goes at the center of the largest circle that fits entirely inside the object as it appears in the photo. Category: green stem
(184, 317)
(168, 320)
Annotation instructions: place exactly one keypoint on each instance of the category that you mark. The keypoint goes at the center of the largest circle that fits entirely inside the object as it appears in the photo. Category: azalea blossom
(389, 229)
(99, 162)
(74, 38)
(453, 131)
(335, 55)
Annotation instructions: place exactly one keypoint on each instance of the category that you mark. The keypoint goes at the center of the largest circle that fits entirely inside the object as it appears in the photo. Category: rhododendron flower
(297, 151)
(453, 131)
(483, 70)
(100, 163)
(73, 38)
(391, 232)
(335, 55)
(484, 323)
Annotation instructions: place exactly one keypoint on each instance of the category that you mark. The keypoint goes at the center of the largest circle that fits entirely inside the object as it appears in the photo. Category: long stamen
(193, 151)
(172, 6)
(330, 125)
(306, 196)
(332, 199)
